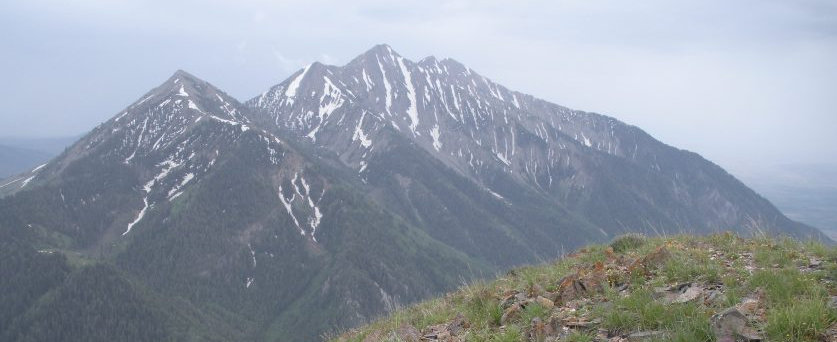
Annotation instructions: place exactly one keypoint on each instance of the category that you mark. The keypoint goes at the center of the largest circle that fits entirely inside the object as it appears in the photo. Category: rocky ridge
(717, 288)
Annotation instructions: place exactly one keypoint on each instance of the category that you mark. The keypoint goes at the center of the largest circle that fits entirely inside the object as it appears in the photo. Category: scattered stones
(570, 302)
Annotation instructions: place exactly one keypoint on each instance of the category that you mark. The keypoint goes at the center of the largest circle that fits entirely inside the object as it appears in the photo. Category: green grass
(782, 287)
(802, 320)
(690, 267)
(482, 307)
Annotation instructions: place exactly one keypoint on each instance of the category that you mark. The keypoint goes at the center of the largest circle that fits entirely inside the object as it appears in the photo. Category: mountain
(335, 196)
(182, 194)
(514, 146)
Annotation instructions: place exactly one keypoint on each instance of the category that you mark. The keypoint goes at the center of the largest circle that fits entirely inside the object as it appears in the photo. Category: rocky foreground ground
(716, 288)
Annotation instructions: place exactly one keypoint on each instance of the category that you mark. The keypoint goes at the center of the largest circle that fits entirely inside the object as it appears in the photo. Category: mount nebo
(337, 195)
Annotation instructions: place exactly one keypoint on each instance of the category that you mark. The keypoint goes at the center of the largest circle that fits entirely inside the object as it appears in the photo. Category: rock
(652, 261)
(748, 334)
(534, 291)
(538, 330)
(374, 336)
(831, 333)
(579, 322)
(408, 333)
(435, 332)
(511, 299)
(545, 302)
(579, 285)
(457, 325)
(753, 306)
(680, 293)
(814, 263)
(730, 325)
(644, 335)
(714, 297)
(511, 313)
(691, 293)
(622, 287)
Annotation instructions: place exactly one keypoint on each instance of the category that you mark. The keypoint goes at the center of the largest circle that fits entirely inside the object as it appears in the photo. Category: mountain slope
(337, 195)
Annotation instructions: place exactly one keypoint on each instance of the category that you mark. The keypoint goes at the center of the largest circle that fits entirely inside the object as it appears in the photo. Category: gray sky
(744, 83)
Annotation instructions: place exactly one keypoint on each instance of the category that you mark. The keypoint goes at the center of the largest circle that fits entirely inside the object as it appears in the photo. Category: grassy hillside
(715, 288)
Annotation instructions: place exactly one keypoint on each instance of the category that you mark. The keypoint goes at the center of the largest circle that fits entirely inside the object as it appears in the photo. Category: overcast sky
(744, 82)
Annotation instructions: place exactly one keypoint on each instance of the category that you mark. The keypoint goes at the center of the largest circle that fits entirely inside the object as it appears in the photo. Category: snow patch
(503, 159)
(139, 141)
(387, 88)
(10, 183)
(182, 92)
(359, 135)
(39, 167)
(586, 140)
(494, 193)
(27, 181)
(174, 192)
(287, 205)
(252, 254)
(294, 85)
(434, 133)
(412, 110)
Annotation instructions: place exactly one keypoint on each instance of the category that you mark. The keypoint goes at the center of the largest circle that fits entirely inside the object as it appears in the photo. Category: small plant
(483, 307)
(577, 336)
(512, 334)
(627, 242)
(534, 310)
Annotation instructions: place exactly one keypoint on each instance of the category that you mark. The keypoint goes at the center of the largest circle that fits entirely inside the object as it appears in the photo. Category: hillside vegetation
(683, 288)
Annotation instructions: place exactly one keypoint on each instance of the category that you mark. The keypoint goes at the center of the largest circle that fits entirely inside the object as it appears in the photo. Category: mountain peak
(181, 76)
(382, 52)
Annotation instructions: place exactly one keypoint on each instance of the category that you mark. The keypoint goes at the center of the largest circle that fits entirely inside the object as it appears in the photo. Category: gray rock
(730, 325)
(644, 335)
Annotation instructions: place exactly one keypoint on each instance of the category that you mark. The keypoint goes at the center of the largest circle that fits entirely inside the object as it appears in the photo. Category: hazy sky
(744, 82)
